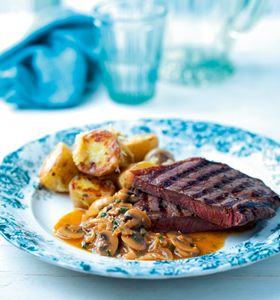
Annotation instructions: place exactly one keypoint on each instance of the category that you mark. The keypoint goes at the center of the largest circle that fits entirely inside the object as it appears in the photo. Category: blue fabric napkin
(54, 65)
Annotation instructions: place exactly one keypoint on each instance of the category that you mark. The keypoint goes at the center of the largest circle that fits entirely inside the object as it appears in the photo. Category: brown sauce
(207, 242)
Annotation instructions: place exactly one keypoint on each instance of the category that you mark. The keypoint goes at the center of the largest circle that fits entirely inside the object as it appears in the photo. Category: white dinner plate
(28, 211)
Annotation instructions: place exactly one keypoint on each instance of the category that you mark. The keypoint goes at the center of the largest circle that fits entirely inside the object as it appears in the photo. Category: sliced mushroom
(134, 241)
(136, 219)
(107, 244)
(184, 254)
(70, 232)
(172, 234)
(126, 196)
(165, 253)
(102, 202)
(183, 244)
(159, 156)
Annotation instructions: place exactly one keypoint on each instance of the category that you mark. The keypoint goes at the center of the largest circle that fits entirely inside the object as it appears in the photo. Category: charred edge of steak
(222, 195)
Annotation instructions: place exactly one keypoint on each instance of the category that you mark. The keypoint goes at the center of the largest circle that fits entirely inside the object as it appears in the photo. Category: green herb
(100, 209)
(115, 227)
(103, 215)
(121, 229)
(115, 222)
(143, 234)
(135, 237)
(108, 253)
(118, 251)
(118, 200)
(84, 246)
(171, 247)
(203, 238)
(139, 254)
(68, 225)
(122, 210)
(195, 240)
(160, 237)
(87, 140)
(192, 245)
(85, 195)
(161, 244)
(86, 223)
(214, 245)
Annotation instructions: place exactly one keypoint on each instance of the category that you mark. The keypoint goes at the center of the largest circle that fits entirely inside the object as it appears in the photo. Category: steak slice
(212, 191)
(166, 216)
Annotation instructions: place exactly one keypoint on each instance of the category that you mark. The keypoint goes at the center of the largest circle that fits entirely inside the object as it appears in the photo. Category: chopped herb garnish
(68, 225)
(108, 253)
(103, 215)
(121, 229)
(195, 240)
(143, 234)
(171, 247)
(135, 237)
(100, 209)
(118, 200)
(214, 245)
(85, 195)
(115, 222)
(118, 251)
(203, 238)
(115, 227)
(87, 140)
(161, 244)
(192, 245)
(139, 254)
(86, 223)
(160, 237)
(84, 246)
(122, 210)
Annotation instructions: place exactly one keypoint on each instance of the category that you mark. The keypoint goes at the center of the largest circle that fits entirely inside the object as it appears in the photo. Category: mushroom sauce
(113, 227)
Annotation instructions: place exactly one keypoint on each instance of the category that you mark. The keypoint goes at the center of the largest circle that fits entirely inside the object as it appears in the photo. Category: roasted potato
(141, 144)
(123, 179)
(159, 156)
(97, 152)
(84, 190)
(58, 169)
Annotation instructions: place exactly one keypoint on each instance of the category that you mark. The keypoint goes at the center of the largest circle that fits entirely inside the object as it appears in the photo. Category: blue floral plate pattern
(28, 211)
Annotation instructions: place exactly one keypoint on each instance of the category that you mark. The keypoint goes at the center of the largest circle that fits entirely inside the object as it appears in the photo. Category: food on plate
(84, 190)
(58, 169)
(141, 144)
(97, 152)
(122, 180)
(163, 209)
(166, 216)
(159, 156)
(212, 191)
(114, 227)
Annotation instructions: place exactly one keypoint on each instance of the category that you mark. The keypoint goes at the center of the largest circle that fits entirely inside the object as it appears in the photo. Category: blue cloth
(54, 65)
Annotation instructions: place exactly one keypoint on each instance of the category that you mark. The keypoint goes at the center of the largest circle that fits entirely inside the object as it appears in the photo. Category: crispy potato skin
(58, 169)
(97, 152)
(141, 144)
(124, 177)
(84, 190)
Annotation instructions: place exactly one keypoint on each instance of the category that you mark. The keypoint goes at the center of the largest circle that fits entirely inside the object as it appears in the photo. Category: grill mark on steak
(168, 182)
(205, 177)
(235, 202)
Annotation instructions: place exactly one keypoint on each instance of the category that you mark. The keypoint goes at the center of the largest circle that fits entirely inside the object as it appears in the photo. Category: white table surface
(250, 100)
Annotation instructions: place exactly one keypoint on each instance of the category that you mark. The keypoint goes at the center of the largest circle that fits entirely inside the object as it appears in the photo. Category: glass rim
(96, 14)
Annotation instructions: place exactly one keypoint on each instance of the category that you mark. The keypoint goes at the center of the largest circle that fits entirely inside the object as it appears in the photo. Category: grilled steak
(166, 216)
(212, 191)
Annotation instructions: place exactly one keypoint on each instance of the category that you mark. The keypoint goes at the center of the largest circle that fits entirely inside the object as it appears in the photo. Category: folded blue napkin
(54, 65)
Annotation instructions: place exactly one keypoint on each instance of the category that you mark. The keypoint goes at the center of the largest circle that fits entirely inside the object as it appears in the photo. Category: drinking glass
(199, 36)
(131, 36)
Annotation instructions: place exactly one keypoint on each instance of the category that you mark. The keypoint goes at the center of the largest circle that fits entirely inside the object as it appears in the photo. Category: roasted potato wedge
(141, 144)
(58, 169)
(123, 179)
(84, 190)
(97, 152)
(159, 156)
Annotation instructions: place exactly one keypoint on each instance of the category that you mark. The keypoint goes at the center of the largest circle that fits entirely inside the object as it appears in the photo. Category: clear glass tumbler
(199, 36)
(131, 36)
